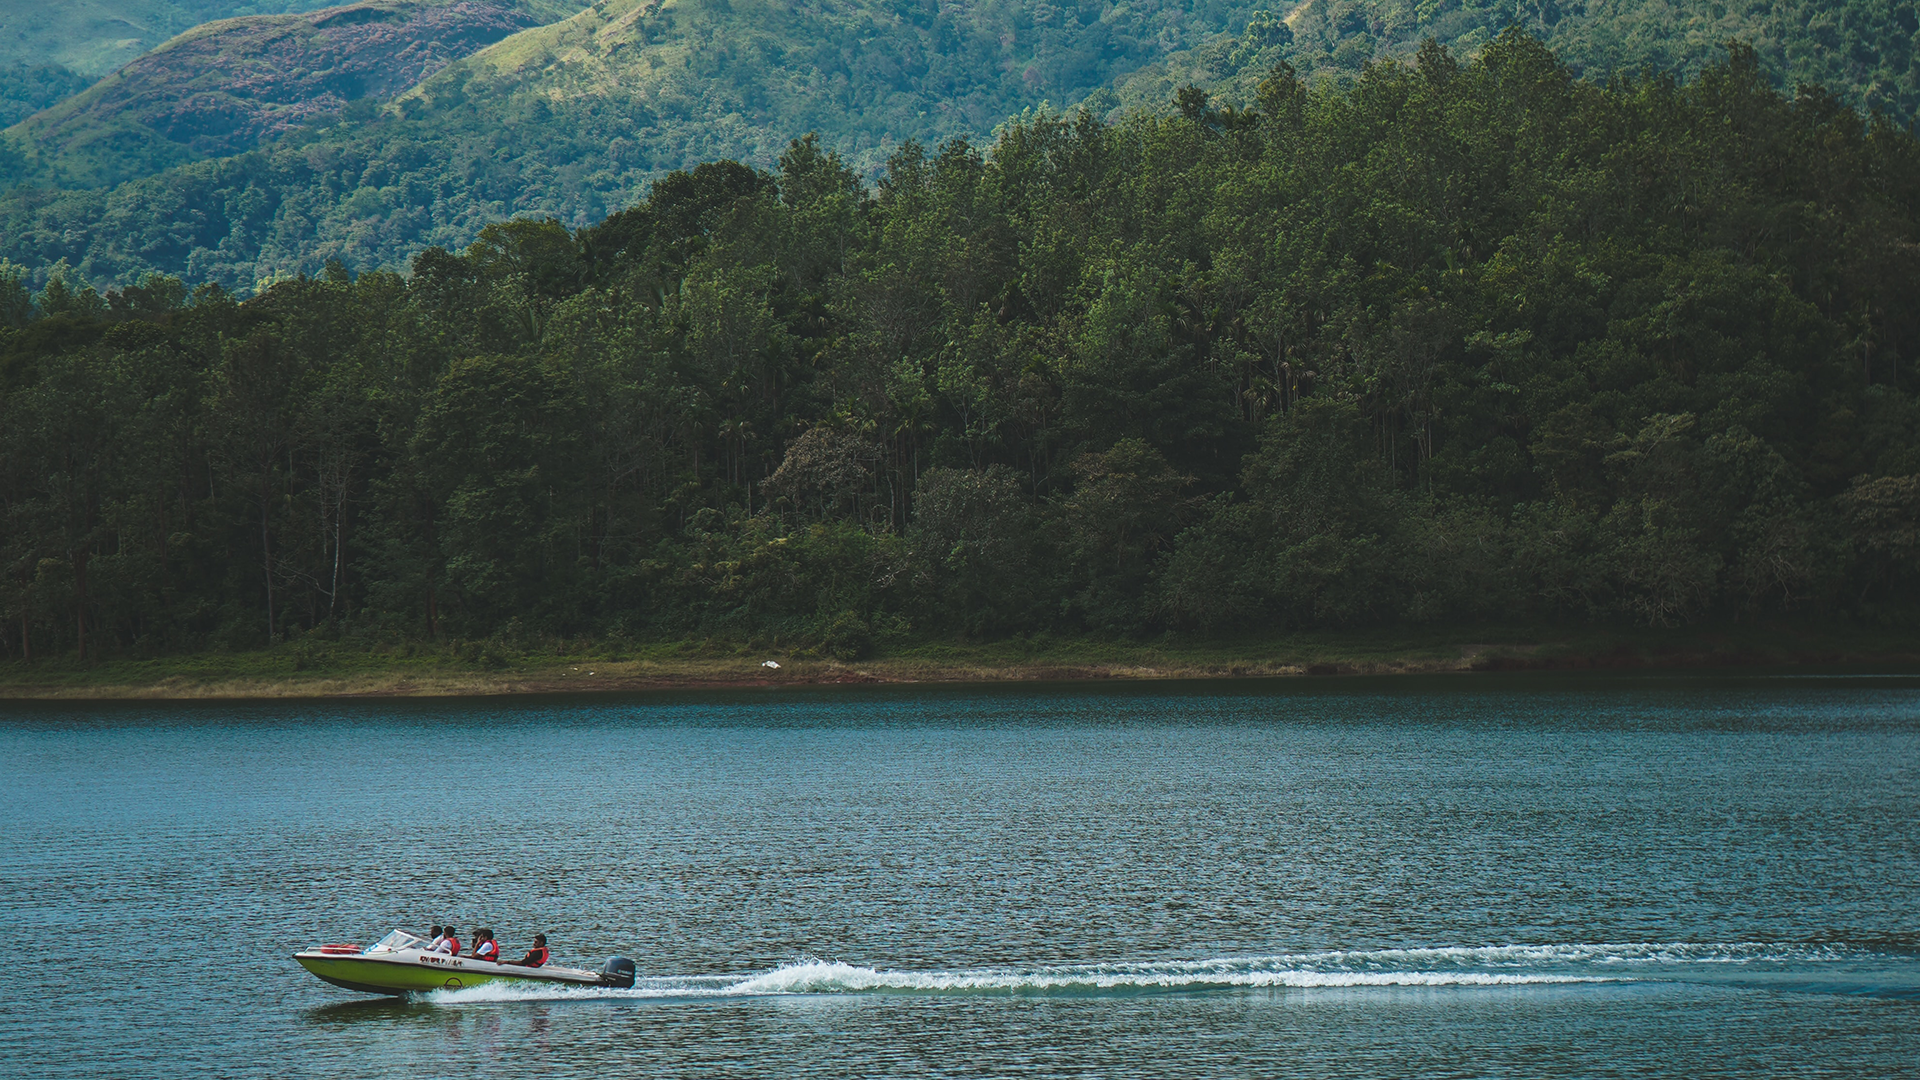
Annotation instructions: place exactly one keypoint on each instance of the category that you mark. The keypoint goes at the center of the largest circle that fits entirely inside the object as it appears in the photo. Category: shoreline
(302, 671)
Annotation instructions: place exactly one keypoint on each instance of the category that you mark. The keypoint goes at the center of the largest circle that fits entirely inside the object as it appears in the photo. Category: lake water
(1470, 876)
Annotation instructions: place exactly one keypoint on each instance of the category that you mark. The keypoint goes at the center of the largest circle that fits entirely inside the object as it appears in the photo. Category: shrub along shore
(320, 669)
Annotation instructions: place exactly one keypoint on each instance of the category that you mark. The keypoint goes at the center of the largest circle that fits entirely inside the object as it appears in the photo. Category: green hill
(227, 86)
(92, 37)
(1864, 52)
(51, 51)
(647, 85)
(575, 119)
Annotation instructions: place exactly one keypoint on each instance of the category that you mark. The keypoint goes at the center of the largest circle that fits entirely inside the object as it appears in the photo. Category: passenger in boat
(449, 943)
(435, 935)
(536, 956)
(484, 947)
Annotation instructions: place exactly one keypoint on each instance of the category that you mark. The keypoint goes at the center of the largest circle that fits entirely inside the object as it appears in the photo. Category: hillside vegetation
(90, 38)
(575, 119)
(228, 86)
(1867, 53)
(1457, 343)
(26, 89)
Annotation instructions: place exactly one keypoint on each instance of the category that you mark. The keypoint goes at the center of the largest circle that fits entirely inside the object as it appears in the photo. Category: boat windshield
(396, 941)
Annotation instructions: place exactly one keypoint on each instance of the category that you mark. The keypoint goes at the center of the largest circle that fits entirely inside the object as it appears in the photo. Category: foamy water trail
(1442, 966)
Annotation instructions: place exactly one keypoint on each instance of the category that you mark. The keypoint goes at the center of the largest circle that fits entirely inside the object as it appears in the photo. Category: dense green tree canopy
(25, 89)
(1461, 341)
(1864, 51)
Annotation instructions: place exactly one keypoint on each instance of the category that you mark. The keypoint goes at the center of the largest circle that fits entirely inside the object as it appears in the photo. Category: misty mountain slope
(575, 119)
(682, 80)
(227, 86)
(93, 37)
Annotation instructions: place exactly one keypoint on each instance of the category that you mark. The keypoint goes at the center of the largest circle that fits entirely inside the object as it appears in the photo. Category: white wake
(1439, 966)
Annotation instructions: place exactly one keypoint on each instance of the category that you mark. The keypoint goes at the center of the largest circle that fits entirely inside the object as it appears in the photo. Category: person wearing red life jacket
(536, 956)
(484, 947)
(449, 943)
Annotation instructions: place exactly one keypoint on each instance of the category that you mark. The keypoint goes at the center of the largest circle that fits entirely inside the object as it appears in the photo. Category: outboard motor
(619, 972)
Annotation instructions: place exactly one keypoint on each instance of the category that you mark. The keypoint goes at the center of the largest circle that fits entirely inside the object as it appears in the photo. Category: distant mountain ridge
(576, 118)
(227, 86)
(93, 37)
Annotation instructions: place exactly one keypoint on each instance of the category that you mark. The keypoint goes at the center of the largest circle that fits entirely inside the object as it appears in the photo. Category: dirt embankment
(262, 676)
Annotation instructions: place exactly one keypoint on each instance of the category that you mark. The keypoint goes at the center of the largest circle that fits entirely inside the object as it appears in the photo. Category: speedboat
(400, 964)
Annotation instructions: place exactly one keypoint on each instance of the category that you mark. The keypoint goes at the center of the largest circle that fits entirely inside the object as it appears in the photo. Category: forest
(172, 165)
(1455, 342)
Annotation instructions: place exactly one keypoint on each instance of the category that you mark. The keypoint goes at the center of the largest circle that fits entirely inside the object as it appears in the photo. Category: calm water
(1485, 876)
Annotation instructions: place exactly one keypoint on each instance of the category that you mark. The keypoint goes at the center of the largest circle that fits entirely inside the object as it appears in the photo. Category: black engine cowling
(619, 972)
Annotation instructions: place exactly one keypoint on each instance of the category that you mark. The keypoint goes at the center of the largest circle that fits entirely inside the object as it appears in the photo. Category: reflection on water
(1662, 876)
(379, 1010)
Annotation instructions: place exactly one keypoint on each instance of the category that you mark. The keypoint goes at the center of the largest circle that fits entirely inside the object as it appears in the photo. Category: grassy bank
(312, 668)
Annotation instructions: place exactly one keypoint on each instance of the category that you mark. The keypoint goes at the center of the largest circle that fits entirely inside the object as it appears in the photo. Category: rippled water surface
(1680, 876)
